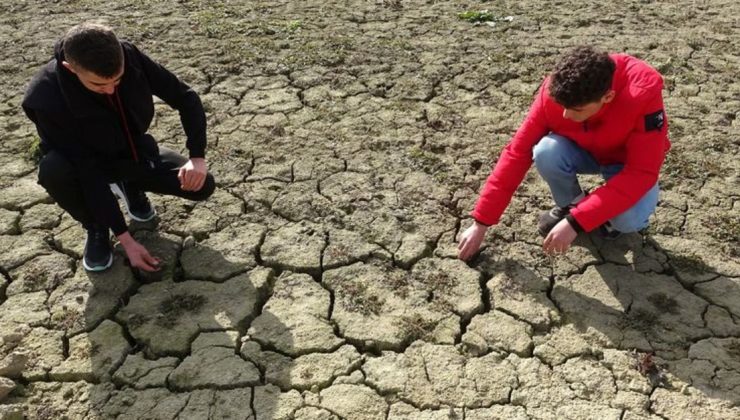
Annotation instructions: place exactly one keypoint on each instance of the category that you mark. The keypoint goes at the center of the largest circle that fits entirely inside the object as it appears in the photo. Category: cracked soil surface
(349, 140)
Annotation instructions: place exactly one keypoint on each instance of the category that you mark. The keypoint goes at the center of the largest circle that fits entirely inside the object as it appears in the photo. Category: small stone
(6, 387)
(12, 365)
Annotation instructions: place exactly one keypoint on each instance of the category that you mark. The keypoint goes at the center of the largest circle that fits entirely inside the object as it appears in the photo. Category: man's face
(94, 82)
(583, 112)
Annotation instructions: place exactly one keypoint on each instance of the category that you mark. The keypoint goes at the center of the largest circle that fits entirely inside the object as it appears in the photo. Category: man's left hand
(192, 175)
(559, 239)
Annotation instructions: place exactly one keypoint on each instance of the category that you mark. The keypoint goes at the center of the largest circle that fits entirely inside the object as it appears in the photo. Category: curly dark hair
(95, 48)
(582, 76)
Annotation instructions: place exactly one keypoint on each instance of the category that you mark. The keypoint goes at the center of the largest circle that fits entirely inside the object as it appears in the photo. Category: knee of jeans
(629, 222)
(206, 190)
(546, 153)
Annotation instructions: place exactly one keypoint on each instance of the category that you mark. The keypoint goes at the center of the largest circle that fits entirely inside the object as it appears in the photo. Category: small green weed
(477, 16)
(34, 153)
(294, 25)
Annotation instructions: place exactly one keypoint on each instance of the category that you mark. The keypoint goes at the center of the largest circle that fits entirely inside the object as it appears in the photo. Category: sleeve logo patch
(654, 121)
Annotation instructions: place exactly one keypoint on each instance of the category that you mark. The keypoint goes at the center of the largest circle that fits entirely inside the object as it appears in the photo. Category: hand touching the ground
(470, 240)
(137, 254)
(560, 237)
(192, 175)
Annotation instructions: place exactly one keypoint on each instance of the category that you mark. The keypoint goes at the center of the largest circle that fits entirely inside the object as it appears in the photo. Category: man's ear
(608, 97)
(68, 66)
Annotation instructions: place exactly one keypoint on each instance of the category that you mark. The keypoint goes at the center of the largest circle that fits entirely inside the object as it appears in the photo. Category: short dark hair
(582, 76)
(95, 48)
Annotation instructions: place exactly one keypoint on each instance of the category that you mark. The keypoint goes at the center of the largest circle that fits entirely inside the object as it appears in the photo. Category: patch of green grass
(33, 152)
(479, 16)
(294, 25)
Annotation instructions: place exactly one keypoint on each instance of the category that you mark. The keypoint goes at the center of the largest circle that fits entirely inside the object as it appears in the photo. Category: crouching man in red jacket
(595, 113)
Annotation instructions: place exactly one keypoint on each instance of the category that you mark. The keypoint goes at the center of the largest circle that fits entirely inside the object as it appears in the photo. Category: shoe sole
(98, 267)
(118, 193)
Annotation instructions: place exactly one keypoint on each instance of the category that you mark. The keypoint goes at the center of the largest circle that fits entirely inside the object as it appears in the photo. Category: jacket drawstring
(125, 123)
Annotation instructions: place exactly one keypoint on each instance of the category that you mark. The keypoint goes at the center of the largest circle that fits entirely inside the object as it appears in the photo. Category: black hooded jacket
(90, 131)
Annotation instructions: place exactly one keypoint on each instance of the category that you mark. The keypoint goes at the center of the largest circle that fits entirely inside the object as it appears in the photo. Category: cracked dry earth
(349, 140)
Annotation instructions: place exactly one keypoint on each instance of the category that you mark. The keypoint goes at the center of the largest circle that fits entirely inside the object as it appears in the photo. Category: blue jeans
(559, 160)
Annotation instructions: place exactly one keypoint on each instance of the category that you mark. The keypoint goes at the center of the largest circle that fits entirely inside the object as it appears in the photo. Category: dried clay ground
(349, 140)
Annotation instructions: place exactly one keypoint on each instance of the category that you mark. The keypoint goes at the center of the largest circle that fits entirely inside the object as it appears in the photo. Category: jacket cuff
(119, 228)
(197, 154)
(574, 223)
(479, 222)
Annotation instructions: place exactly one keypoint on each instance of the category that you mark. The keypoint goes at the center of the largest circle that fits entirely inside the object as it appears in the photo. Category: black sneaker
(548, 219)
(607, 232)
(98, 254)
(136, 203)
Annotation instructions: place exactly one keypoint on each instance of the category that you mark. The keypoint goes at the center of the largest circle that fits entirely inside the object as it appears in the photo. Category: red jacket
(631, 129)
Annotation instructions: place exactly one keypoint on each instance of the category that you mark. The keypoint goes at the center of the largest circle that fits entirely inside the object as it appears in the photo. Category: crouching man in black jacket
(92, 106)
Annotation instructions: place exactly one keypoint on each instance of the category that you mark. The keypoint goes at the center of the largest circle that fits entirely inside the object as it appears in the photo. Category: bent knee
(549, 146)
(630, 222)
(548, 153)
(209, 186)
(55, 169)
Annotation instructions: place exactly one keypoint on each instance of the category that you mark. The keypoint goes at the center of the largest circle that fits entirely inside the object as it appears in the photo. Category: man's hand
(470, 240)
(137, 255)
(192, 175)
(560, 237)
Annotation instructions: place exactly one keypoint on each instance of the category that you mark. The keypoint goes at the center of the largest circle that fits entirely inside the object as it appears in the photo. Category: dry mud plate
(349, 140)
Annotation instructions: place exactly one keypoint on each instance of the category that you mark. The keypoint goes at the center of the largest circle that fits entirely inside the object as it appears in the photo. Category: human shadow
(163, 345)
(636, 295)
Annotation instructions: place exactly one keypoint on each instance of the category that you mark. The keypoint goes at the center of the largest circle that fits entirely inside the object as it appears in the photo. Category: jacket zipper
(125, 123)
(585, 126)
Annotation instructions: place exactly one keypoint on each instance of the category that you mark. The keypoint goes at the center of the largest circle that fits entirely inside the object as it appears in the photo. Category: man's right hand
(137, 255)
(470, 240)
